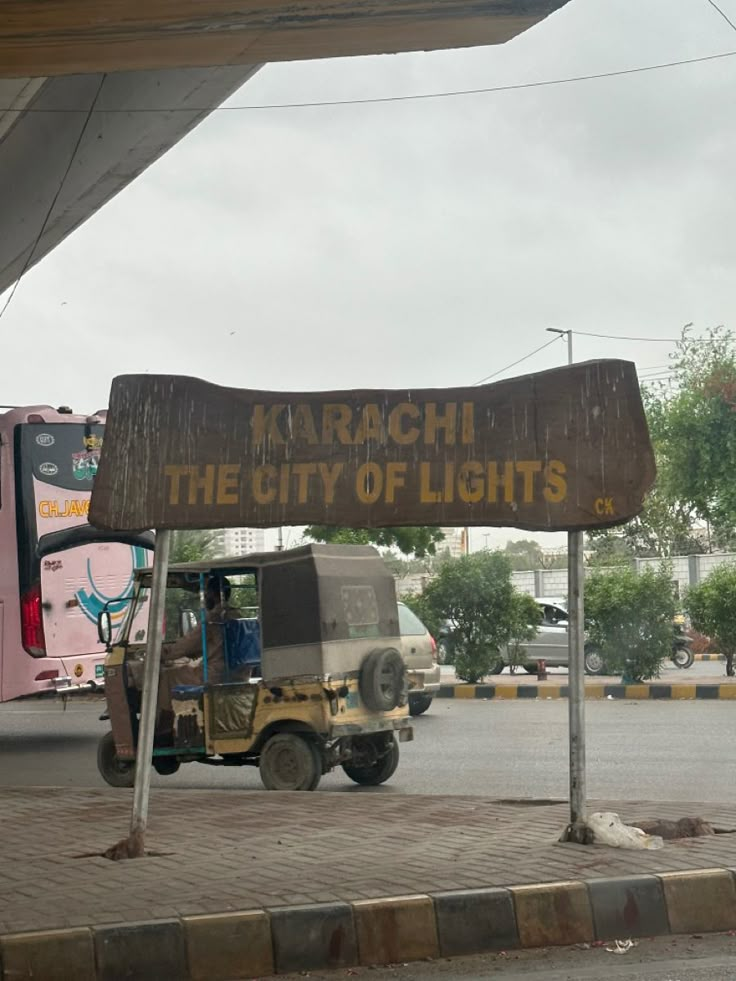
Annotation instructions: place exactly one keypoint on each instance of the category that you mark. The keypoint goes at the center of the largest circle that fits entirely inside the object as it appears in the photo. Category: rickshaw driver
(174, 656)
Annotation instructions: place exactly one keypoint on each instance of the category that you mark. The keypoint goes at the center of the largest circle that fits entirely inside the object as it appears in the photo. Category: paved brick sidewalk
(231, 851)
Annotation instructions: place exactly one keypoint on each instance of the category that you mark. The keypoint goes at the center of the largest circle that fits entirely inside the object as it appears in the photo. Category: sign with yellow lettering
(561, 449)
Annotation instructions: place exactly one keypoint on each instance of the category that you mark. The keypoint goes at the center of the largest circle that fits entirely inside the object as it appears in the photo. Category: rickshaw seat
(187, 691)
(242, 643)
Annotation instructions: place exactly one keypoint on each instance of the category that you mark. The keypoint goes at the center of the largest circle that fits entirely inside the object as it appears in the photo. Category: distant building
(240, 541)
(454, 542)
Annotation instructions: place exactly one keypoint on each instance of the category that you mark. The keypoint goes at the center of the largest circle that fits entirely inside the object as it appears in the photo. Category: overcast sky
(411, 244)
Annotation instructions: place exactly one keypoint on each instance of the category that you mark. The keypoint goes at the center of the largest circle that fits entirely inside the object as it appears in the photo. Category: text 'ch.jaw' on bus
(57, 572)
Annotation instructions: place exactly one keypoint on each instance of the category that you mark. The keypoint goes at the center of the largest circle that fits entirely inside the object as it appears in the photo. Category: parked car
(550, 643)
(419, 651)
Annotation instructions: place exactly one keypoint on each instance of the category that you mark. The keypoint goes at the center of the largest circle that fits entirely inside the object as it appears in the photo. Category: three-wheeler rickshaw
(310, 676)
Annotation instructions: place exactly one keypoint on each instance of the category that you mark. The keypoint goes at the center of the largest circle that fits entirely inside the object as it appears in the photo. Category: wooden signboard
(561, 449)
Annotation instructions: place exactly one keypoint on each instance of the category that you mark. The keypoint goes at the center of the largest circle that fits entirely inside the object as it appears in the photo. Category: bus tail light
(48, 675)
(31, 622)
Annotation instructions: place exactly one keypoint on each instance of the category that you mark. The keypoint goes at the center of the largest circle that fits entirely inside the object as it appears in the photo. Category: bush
(630, 619)
(476, 593)
(711, 606)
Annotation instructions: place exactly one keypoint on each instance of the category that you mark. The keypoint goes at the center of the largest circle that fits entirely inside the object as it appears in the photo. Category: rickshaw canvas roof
(259, 560)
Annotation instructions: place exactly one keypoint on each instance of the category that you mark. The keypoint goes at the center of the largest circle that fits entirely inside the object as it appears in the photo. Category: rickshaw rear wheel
(290, 761)
(378, 772)
(113, 770)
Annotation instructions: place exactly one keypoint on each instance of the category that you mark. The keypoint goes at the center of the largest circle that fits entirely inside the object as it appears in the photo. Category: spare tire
(383, 683)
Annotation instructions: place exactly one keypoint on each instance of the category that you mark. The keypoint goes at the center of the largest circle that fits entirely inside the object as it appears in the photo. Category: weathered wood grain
(561, 449)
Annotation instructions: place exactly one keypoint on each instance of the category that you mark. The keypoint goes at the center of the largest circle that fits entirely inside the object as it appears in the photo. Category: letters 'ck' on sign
(561, 449)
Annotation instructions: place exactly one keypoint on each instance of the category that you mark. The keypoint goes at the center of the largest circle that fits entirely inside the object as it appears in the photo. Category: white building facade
(240, 541)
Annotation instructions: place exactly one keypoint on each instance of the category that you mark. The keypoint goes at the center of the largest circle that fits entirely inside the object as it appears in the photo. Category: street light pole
(576, 665)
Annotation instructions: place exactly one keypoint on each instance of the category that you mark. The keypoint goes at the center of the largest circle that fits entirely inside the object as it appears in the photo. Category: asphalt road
(666, 750)
(661, 959)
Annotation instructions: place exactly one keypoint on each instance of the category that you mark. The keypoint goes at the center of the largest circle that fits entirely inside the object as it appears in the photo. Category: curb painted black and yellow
(256, 943)
(649, 690)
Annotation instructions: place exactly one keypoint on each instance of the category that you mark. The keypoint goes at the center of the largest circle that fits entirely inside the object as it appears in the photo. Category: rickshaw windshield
(183, 612)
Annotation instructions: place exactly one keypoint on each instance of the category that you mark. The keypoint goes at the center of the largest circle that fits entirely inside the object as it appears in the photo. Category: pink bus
(56, 571)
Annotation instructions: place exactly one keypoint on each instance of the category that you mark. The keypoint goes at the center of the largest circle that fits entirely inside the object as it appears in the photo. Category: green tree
(711, 606)
(420, 541)
(192, 546)
(476, 594)
(693, 426)
(629, 619)
(663, 529)
(524, 554)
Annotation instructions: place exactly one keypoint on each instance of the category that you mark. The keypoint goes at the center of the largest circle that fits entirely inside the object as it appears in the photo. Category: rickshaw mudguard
(118, 705)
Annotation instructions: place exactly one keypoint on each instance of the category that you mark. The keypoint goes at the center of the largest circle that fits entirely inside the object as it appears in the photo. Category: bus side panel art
(77, 585)
(64, 576)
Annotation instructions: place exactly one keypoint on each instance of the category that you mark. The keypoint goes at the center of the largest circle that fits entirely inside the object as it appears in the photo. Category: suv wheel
(418, 704)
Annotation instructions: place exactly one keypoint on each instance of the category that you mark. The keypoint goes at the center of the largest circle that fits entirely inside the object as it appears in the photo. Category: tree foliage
(192, 546)
(692, 422)
(476, 594)
(663, 529)
(526, 553)
(630, 619)
(693, 427)
(420, 541)
(711, 606)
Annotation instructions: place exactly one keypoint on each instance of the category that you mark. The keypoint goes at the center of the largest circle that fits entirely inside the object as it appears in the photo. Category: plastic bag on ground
(609, 829)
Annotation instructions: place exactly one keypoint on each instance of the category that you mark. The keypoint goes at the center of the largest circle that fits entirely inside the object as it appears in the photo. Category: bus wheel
(116, 772)
(373, 774)
(290, 762)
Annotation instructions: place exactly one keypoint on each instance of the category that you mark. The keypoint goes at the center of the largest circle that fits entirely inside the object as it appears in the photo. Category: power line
(419, 96)
(45, 222)
(727, 19)
(652, 340)
(525, 358)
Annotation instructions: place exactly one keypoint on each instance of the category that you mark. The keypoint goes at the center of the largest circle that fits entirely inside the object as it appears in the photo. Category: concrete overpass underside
(145, 54)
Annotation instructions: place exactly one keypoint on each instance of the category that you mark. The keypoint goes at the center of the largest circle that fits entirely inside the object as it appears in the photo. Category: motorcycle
(682, 655)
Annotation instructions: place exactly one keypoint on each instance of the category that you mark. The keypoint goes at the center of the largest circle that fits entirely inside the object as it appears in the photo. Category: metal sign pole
(576, 670)
(151, 672)
(576, 680)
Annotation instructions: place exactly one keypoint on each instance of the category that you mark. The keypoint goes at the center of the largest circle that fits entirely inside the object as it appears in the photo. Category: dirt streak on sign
(560, 449)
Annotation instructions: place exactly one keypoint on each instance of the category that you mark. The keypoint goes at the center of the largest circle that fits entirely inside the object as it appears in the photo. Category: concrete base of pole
(131, 847)
(578, 833)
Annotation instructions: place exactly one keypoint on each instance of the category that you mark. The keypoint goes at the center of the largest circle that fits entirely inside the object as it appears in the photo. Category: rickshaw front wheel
(165, 765)
(113, 770)
(289, 761)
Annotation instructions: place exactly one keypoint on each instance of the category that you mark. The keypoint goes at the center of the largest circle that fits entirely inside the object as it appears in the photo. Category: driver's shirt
(190, 646)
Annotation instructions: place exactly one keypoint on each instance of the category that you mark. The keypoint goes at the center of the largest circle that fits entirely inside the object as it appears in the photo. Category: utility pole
(576, 664)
